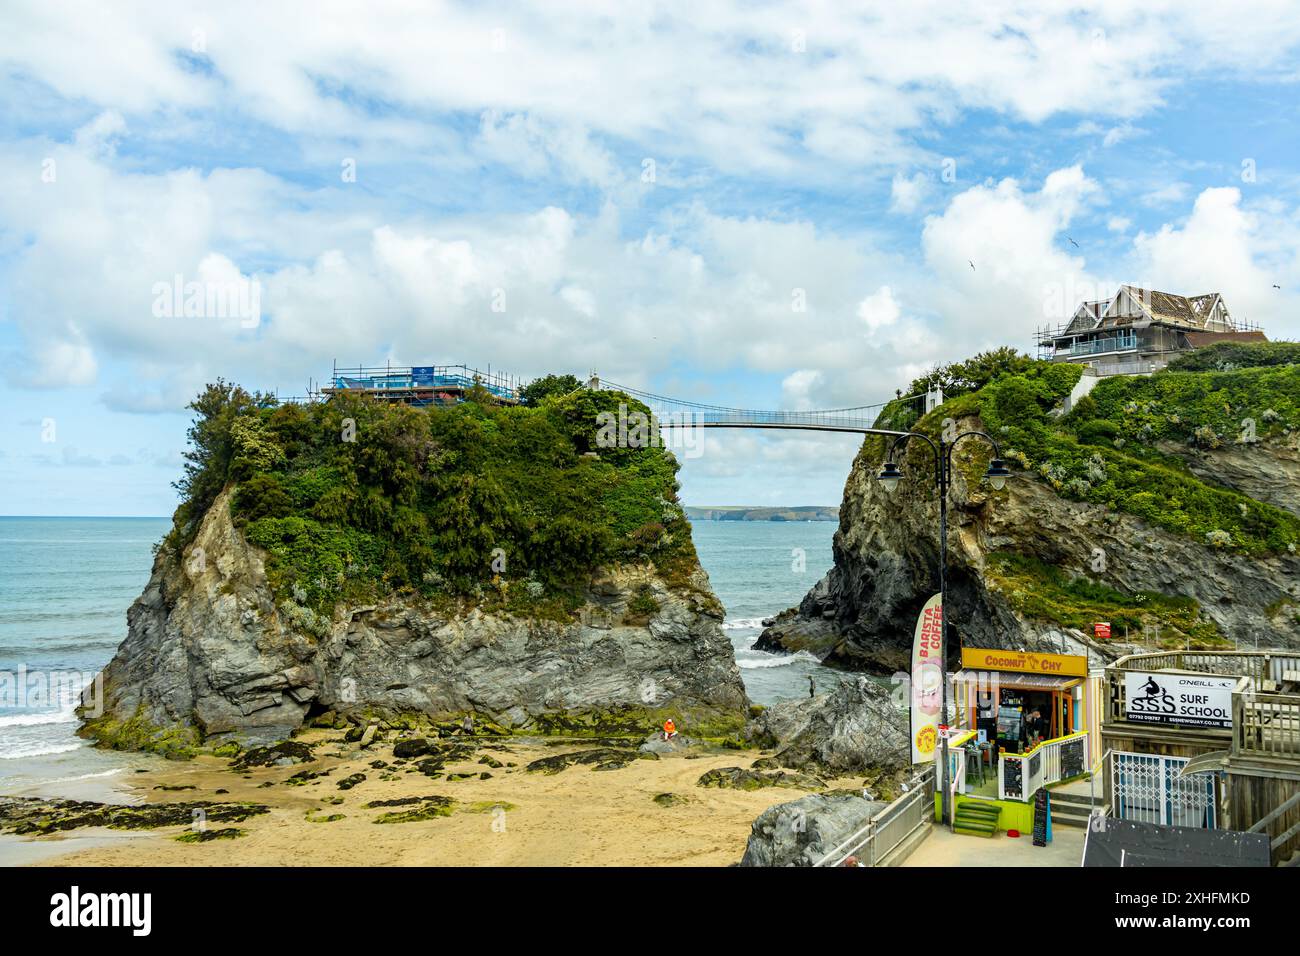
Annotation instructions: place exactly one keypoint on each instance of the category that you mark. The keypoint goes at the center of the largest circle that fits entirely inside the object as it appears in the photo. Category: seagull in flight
(1073, 243)
(1276, 286)
(972, 265)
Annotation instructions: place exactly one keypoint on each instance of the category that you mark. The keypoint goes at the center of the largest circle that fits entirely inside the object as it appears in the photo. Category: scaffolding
(422, 385)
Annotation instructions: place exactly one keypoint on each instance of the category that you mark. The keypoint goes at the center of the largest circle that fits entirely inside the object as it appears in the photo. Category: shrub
(354, 498)
(1229, 356)
(1107, 456)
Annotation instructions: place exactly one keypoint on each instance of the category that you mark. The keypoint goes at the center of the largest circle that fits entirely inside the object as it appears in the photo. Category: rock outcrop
(857, 728)
(861, 615)
(211, 656)
(1267, 471)
(802, 832)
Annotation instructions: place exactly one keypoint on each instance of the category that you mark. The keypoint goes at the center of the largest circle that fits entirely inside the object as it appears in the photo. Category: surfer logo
(1154, 700)
(925, 738)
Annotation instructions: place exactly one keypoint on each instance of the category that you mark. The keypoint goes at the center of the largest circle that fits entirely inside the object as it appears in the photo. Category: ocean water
(66, 584)
(759, 568)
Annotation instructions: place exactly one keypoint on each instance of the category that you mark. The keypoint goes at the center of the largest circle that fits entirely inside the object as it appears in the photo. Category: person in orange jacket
(670, 729)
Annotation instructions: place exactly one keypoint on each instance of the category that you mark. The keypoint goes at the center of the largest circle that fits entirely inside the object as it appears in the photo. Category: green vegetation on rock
(1104, 452)
(208, 836)
(1127, 446)
(136, 733)
(1227, 356)
(354, 498)
(1043, 592)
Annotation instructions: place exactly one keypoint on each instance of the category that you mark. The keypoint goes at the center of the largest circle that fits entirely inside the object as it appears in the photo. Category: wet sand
(577, 817)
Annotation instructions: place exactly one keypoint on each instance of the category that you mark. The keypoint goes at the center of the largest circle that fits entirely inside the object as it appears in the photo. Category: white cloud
(1223, 247)
(98, 136)
(907, 193)
(799, 386)
(696, 81)
(1168, 195)
(523, 291)
(1117, 134)
(1021, 277)
(879, 309)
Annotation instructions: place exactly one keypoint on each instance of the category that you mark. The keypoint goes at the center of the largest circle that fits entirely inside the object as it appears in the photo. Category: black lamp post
(997, 475)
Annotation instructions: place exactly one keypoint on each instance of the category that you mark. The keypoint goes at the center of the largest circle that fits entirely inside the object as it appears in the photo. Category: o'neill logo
(103, 909)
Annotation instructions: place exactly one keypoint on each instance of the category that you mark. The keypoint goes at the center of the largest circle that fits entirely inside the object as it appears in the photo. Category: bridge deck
(676, 413)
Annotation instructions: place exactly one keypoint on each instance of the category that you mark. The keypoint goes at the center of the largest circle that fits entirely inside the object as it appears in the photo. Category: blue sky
(648, 190)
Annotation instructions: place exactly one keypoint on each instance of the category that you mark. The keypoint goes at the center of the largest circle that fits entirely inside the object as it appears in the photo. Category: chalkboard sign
(1072, 758)
(1042, 818)
(1012, 781)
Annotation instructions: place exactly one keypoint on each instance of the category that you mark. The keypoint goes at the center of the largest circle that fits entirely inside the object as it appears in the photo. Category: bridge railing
(676, 413)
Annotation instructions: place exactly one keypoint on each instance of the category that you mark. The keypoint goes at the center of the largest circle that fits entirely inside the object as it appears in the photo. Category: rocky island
(347, 562)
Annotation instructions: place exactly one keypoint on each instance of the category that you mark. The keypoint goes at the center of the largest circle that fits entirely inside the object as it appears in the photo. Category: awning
(1014, 681)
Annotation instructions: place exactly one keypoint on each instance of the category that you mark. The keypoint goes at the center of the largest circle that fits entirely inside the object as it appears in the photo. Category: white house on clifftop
(1141, 330)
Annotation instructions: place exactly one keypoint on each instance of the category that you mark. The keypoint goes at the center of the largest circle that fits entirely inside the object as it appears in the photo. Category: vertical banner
(927, 680)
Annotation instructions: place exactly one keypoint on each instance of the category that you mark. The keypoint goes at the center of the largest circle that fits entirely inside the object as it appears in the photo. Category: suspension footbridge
(679, 413)
(424, 385)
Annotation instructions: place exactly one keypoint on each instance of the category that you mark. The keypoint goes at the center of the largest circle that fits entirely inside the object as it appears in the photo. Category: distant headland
(742, 513)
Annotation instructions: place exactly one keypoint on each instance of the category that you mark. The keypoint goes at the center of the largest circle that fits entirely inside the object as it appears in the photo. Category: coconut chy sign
(1185, 700)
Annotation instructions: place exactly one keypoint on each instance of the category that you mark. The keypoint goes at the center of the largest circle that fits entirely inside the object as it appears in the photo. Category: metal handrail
(918, 788)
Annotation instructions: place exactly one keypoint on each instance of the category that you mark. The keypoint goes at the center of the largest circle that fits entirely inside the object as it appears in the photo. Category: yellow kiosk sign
(992, 659)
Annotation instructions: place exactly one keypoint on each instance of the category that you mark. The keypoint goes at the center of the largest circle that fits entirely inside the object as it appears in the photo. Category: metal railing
(1141, 367)
(1039, 767)
(888, 829)
(1260, 665)
(1110, 343)
(679, 413)
(393, 378)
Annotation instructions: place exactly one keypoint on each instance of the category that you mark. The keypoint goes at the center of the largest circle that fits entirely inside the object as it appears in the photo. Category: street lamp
(996, 475)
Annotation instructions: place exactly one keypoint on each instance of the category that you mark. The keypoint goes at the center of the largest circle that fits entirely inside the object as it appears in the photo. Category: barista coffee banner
(927, 680)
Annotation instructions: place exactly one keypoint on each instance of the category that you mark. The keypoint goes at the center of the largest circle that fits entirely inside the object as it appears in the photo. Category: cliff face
(210, 656)
(862, 613)
(1267, 470)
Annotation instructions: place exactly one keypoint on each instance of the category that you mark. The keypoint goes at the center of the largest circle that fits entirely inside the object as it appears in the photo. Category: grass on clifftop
(1104, 452)
(1046, 593)
(354, 498)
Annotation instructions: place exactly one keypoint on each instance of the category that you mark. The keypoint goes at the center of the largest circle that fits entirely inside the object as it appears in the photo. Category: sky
(751, 204)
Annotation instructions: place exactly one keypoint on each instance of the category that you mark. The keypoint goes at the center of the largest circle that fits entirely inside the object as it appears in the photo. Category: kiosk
(1026, 721)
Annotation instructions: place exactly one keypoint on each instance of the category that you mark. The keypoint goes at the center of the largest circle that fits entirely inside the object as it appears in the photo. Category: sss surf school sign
(1182, 700)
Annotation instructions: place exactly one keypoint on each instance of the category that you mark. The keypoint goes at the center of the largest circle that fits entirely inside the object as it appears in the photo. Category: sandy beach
(516, 817)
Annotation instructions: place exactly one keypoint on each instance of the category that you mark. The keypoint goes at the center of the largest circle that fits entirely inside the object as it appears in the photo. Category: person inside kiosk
(1016, 701)
(1019, 722)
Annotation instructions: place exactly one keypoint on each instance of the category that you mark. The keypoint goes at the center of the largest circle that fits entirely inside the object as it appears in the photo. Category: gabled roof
(1191, 312)
(1088, 315)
